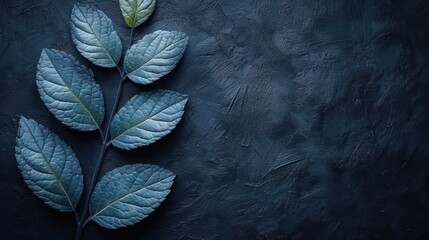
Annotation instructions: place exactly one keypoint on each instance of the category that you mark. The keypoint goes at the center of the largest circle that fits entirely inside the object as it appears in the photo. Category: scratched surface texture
(306, 120)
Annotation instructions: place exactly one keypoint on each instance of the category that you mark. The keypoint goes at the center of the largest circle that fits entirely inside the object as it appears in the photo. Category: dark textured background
(340, 87)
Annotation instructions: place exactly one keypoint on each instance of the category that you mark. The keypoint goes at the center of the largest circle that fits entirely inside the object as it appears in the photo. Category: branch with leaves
(128, 194)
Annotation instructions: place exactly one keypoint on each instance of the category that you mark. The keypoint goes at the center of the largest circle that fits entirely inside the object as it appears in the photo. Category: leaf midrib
(74, 95)
(156, 55)
(96, 37)
(145, 119)
(126, 195)
(135, 11)
(49, 166)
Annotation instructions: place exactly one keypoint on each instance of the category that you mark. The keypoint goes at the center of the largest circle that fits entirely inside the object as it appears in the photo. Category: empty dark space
(306, 119)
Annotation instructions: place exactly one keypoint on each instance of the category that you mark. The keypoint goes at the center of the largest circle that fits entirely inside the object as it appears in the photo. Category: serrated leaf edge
(186, 38)
(173, 176)
(25, 121)
(185, 99)
(78, 5)
(133, 25)
(74, 95)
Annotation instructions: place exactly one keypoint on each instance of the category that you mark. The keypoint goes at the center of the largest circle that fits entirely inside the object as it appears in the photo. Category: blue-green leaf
(136, 12)
(154, 56)
(94, 36)
(48, 165)
(146, 118)
(69, 91)
(128, 194)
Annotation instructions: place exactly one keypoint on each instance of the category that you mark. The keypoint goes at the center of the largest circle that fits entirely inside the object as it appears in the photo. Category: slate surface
(338, 88)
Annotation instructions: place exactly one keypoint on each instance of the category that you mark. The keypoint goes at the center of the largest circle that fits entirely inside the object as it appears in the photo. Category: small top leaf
(128, 194)
(94, 36)
(48, 165)
(69, 91)
(136, 12)
(147, 117)
(154, 56)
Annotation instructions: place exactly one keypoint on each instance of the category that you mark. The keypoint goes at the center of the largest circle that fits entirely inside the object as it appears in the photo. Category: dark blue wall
(340, 89)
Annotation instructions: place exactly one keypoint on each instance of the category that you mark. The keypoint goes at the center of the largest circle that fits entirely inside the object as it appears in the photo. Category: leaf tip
(45, 52)
(76, 6)
(182, 35)
(23, 120)
(185, 98)
(24, 124)
(81, 5)
(49, 52)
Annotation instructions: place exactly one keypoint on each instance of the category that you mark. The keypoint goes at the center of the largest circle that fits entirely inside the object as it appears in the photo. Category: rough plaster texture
(339, 89)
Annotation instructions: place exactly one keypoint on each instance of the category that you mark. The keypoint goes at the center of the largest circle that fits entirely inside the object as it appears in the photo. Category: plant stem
(79, 231)
(99, 163)
(130, 42)
(84, 219)
(76, 216)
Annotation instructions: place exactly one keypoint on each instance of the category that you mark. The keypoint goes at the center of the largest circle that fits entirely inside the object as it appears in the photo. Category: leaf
(147, 117)
(94, 36)
(154, 56)
(69, 91)
(136, 12)
(48, 165)
(128, 194)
